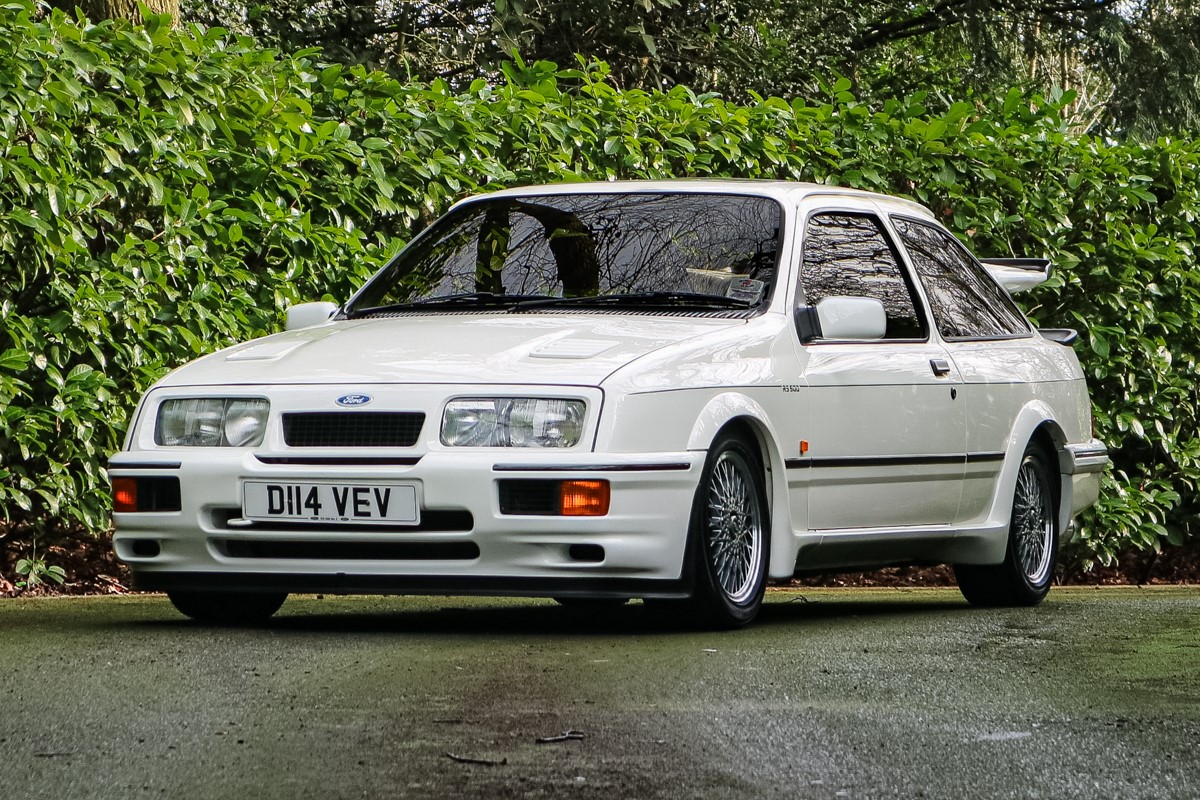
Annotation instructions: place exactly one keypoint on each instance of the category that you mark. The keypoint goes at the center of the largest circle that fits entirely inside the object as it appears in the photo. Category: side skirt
(868, 548)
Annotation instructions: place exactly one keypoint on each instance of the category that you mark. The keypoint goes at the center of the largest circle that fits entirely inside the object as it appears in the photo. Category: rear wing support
(1018, 274)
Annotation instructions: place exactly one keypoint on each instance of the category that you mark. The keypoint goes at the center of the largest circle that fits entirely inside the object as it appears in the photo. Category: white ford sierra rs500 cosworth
(673, 391)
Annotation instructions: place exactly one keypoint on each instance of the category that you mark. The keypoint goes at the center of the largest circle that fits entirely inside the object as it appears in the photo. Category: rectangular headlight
(512, 422)
(212, 422)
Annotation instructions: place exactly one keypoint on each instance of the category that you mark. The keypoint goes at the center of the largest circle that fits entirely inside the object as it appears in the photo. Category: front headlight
(512, 422)
(212, 422)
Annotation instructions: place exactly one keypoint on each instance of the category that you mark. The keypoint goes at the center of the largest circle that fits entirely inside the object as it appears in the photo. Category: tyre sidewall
(708, 590)
(1030, 592)
(227, 608)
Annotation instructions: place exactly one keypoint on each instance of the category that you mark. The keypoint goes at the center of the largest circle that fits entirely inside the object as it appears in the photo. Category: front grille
(353, 429)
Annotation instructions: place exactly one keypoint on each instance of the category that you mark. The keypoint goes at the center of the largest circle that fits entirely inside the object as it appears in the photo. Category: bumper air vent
(350, 551)
(522, 496)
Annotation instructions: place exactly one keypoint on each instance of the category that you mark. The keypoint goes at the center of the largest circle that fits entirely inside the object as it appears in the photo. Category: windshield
(711, 251)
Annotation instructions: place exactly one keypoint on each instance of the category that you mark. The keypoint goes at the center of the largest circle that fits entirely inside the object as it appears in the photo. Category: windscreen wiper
(661, 299)
(466, 299)
(665, 299)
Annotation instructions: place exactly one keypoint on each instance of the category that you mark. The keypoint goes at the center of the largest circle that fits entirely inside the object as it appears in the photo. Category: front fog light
(512, 422)
(211, 422)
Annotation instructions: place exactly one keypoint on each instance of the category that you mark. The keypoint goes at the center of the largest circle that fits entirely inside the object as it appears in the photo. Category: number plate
(391, 503)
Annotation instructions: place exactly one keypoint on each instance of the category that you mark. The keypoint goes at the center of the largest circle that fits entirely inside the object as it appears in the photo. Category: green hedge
(165, 193)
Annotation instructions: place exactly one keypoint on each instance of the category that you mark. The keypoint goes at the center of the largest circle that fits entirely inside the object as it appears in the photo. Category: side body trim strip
(893, 461)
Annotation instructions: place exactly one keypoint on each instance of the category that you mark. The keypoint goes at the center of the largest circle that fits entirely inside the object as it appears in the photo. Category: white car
(673, 391)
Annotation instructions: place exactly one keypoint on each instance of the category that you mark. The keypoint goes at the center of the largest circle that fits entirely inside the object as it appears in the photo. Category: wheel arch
(736, 413)
(1035, 423)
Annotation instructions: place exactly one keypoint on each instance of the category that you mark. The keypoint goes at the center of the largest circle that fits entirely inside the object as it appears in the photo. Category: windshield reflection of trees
(584, 245)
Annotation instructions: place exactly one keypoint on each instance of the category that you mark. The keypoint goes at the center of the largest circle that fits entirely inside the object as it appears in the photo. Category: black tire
(228, 608)
(728, 536)
(1024, 577)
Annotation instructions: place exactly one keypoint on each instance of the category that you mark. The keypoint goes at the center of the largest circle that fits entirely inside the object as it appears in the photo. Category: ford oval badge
(349, 400)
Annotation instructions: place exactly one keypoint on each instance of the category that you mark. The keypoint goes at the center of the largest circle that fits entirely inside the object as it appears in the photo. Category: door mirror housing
(853, 318)
(305, 315)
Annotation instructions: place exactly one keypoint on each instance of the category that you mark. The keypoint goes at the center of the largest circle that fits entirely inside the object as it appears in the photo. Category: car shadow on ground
(535, 617)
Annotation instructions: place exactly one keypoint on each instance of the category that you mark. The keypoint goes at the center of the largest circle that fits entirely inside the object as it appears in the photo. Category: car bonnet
(575, 349)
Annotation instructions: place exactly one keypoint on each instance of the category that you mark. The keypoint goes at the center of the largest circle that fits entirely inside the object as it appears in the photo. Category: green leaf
(14, 360)
(1013, 100)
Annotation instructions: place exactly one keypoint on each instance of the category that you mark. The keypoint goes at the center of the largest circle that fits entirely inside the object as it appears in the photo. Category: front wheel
(228, 608)
(728, 535)
(1023, 578)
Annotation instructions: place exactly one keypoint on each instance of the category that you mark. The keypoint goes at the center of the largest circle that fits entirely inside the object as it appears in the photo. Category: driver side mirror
(305, 315)
(852, 318)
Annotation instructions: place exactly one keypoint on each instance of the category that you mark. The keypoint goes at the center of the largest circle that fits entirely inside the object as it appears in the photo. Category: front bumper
(309, 583)
(465, 545)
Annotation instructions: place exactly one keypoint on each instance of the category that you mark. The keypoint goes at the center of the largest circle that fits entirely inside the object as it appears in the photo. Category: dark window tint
(966, 301)
(574, 245)
(849, 255)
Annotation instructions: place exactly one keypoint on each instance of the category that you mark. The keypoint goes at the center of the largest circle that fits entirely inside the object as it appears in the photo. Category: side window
(849, 254)
(966, 302)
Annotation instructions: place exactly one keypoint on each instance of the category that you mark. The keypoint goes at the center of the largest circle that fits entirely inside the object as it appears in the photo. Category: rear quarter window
(966, 302)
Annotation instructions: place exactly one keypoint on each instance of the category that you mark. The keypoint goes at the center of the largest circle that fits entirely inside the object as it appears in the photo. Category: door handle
(940, 366)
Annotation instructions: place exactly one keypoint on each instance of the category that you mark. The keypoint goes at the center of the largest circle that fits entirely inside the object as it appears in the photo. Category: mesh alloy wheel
(733, 526)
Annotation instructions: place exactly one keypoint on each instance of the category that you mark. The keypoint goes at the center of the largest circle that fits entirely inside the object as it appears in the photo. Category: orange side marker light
(584, 498)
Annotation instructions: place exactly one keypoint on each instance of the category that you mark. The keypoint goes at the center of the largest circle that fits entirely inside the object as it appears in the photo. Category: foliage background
(1134, 64)
(165, 193)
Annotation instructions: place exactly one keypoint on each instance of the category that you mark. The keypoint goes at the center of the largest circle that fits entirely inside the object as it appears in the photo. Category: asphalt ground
(831, 694)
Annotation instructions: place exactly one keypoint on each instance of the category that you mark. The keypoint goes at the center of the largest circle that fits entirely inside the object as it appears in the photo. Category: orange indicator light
(124, 494)
(584, 498)
(803, 446)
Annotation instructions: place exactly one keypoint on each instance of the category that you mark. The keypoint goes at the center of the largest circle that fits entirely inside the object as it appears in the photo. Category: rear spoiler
(1018, 274)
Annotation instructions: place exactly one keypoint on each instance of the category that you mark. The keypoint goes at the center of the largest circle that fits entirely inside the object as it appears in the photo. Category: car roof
(784, 191)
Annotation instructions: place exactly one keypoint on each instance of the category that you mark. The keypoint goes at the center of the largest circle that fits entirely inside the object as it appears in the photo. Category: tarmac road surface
(831, 694)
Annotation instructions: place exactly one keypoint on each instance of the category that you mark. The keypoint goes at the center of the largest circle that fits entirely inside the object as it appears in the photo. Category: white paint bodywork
(876, 484)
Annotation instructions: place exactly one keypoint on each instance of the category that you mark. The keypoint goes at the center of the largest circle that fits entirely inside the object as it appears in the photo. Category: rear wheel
(728, 535)
(1023, 578)
(228, 608)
